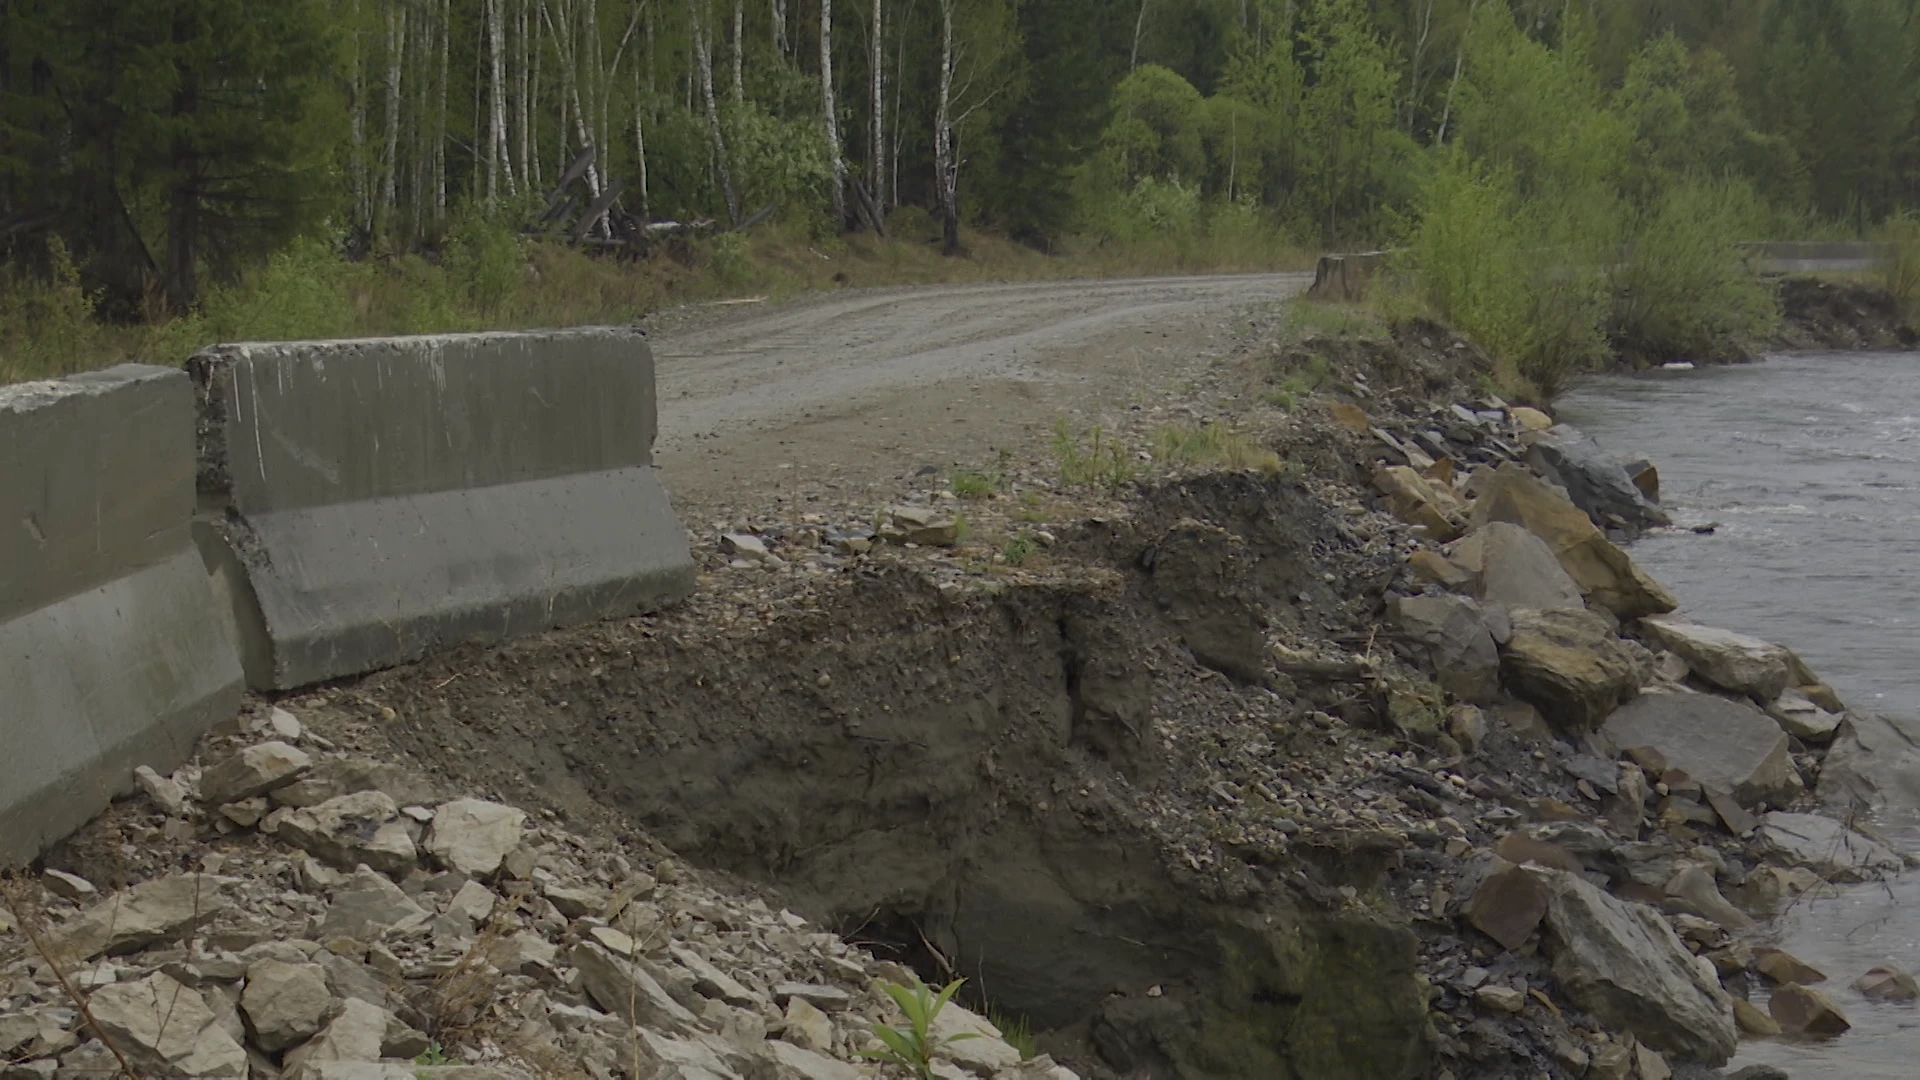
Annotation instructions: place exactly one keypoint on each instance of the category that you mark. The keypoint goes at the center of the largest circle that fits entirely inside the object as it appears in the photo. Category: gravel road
(870, 382)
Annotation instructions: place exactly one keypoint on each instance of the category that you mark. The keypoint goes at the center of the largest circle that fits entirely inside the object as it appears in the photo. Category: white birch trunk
(838, 184)
(396, 46)
(703, 57)
(440, 118)
(640, 145)
(362, 182)
(739, 50)
(780, 28)
(877, 128)
(945, 169)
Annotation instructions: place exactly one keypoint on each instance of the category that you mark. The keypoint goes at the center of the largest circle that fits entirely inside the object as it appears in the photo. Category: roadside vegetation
(1568, 182)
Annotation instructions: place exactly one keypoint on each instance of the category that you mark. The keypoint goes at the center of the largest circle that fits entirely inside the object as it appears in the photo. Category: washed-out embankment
(1243, 776)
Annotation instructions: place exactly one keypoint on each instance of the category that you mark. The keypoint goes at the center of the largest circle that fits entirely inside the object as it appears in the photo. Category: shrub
(47, 328)
(1898, 268)
(1685, 288)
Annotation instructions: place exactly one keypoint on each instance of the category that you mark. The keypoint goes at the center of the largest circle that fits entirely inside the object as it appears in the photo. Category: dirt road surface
(850, 388)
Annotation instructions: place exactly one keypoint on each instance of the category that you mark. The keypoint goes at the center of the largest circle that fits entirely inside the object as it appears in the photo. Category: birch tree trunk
(497, 152)
(703, 57)
(877, 127)
(522, 104)
(362, 181)
(946, 178)
(440, 115)
(640, 145)
(1139, 24)
(396, 45)
(739, 50)
(780, 28)
(838, 185)
(1459, 58)
(1419, 53)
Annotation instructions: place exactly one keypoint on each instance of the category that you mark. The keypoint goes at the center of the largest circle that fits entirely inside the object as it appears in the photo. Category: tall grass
(1898, 269)
(486, 276)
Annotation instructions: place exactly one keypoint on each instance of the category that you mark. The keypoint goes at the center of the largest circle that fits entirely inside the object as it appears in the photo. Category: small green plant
(973, 484)
(1017, 1032)
(913, 1045)
(1310, 318)
(433, 1055)
(1212, 444)
(1018, 550)
(1100, 462)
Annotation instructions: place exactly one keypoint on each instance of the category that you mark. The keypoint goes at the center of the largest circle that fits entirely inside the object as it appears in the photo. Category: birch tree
(877, 110)
(837, 186)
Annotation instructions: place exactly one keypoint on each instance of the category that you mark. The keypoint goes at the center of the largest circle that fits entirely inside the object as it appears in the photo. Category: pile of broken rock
(330, 920)
(1698, 752)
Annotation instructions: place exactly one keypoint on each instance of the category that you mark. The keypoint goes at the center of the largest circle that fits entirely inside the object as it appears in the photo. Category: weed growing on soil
(1309, 318)
(1100, 462)
(1018, 550)
(1212, 444)
(1300, 383)
(1017, 1032)
(914, 1045)
(970, 484)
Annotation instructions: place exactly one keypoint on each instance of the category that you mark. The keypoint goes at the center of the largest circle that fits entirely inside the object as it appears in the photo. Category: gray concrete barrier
(1346, 278)
(366, 501)
(113, 652)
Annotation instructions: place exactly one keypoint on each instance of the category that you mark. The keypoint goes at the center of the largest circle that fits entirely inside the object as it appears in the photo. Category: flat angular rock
(166, 1029)
(712, 982)
(1569, 665)
(624, 987)
(1424, 504)
(1884, 982)
(1507, 565)
(789, 1062)
(369, 905)
(69, 886)
(285, 1004)
(1508, 905)
(363, 827)
(1497, 998)
(473, 836)
(355, 1035)
(1459, 641)
(1726, 745)
(1826, 847)
(1751, 1020)
(985, 1053)
(575, 902)
(826, 998)
(253, 771)
(808, 1026)
(1604, 573)
(166, 793)
(1801, 1010)
(1799, 717)
(1730, 661)
(1594, 480)
(474, 902)
(1694, 891)
(1874, 763)
(151, 913)
(1783, 967)
(1623, 963)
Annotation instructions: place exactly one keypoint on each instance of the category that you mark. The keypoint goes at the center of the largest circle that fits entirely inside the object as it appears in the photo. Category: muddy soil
(1826, 314)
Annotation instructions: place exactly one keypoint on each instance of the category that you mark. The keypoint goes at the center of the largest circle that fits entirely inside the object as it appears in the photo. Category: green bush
(1685, 289)
(47, 327)
(1898, 269)
(485, 261)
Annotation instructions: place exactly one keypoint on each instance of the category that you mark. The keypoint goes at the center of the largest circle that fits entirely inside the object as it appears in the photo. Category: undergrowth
(485, 276)
(1212, 444)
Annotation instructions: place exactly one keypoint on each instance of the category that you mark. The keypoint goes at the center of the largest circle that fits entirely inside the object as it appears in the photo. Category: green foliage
(1684, 291)
(913, 1045)
(1156, 128)
(1015, 1031)
(46, 327)
(1016, 552)
(973, 484)
(1096, 460)
(433, 1055)
(485, 260)
(1212, 444)
(1899, 269)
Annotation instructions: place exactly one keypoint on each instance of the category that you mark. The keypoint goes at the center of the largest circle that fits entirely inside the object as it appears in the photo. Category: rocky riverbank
(1310, 722)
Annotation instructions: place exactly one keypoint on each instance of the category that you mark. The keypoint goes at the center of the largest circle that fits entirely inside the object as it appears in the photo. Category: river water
(1810, 467)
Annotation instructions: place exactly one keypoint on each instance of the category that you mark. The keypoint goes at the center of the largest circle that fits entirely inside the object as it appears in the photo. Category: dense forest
(156, 152)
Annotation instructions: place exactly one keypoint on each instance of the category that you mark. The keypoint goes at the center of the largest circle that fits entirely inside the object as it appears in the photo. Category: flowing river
(1809, 465)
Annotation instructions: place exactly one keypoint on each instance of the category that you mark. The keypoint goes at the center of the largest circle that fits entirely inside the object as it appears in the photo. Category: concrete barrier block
(370, 500)
(113, 651)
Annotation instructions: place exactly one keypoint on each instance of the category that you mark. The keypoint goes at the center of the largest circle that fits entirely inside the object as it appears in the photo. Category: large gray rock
(355, 1035)
(1873, 764)
(1826, 847)
(1507, 565)
(1596, 481)
(285, 1004)
(150, 913)
(253, 771)
(625, 987)
(1606, 576)
(1624, 964)
(1569, 665)
(789, 1062)
(165, 1029)
(1730, 661)
(1728, 746)
(368, 905)
(976, 1046)
(1459, 640)
(1801, 718)
(363, 827)
(473, 836)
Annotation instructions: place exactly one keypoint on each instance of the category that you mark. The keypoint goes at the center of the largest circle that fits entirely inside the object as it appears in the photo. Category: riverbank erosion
(1264, 734)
